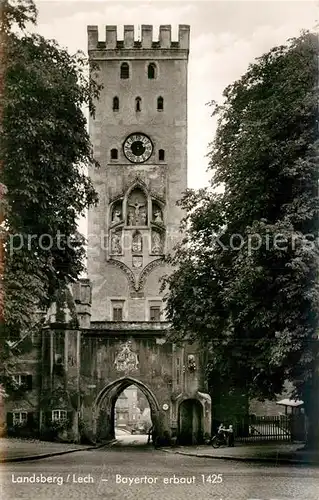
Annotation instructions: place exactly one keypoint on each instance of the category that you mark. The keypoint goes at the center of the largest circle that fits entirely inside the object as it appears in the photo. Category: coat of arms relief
(126, 359)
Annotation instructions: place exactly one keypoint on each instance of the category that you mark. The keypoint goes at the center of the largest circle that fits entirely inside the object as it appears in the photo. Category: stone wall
(23, 398)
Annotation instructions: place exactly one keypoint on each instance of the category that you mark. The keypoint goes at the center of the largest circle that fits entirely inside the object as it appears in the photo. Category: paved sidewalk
(12, 450)
(273, 453)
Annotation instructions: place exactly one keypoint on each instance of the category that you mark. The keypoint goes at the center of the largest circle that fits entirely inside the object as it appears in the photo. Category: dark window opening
(125, 71)
(114, 154)
(151, 71)
(116, 104)
(117, 313)
(160, 104)
(138, 102)
(161, 155)
(155, 313)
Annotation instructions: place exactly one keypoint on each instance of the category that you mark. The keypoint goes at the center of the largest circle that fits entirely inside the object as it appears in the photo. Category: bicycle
(219, 440)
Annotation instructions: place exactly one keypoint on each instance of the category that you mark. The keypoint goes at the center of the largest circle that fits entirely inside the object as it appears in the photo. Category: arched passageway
(190, 422)
(104, 407)
(132, 417)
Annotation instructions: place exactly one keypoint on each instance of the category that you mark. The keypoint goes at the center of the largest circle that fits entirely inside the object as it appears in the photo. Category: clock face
(138, 148)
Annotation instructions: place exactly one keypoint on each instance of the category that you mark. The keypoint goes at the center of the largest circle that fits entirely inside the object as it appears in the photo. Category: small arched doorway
(104, 407)
(190, 422)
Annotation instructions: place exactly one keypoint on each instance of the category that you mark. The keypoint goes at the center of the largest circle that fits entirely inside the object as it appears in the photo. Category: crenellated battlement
(164, 41)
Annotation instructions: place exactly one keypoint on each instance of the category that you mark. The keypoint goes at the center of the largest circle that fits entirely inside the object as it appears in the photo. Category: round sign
(165, 406)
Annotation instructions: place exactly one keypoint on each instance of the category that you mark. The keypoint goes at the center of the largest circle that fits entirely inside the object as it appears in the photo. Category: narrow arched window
(160, 104)
(114, 154)
(116, 104)
(138, 103)
(125, 71)
(161, 155)
(151, 71)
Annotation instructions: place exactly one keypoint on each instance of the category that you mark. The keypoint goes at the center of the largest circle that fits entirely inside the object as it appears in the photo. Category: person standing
(230, 436)
(150, 431)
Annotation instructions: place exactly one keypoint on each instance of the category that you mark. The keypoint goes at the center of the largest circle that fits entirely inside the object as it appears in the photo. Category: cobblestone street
(154, 475)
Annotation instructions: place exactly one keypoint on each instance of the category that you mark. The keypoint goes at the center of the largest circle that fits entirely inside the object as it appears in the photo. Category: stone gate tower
(140, 139)
(139, 135)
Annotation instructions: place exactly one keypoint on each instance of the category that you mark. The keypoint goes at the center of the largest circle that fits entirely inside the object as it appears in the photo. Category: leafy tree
(44, 153)
(245, 281)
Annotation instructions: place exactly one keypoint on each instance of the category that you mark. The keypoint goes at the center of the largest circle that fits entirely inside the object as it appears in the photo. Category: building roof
(290, 402)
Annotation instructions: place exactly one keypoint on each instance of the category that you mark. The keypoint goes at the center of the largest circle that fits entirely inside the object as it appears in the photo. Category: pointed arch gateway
(103, 408)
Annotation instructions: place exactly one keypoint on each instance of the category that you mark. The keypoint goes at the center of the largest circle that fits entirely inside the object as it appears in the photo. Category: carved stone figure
(137, 206)
(131, 219)
(156, 243)
(126, 360)
(116, 246)
(143, 218)
(116, 217)
(137, 243)
(137, 262)
(158, 216)
(191, 363)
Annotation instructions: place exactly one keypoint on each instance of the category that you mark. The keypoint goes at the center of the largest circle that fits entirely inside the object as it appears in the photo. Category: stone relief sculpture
(158, 217)
(137, 242)
(157, 214)
(131, 219)
(156, 243)
(137, 262)
(137, 283)
(191, 363)
(136, 213)
(137, 208)
(116, 244)
(143, 218)
(116, 218)
(126, 360)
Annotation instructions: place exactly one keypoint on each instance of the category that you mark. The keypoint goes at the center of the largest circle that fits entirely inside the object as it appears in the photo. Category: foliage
(20, 429)
(54, 430)
(45, 151)
(17, 13)
(12, 388)
(256, 309)
(59, 425)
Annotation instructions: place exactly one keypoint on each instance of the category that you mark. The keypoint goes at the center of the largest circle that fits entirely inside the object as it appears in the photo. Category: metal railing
(266, 428)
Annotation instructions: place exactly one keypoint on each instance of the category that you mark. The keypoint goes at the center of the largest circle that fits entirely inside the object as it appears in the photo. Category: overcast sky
(225, 37)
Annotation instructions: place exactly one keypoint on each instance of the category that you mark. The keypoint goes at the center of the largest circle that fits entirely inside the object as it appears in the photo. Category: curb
(52, 454)
(111, 443)
(273, 460)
